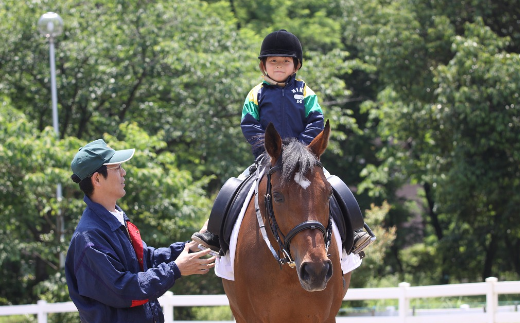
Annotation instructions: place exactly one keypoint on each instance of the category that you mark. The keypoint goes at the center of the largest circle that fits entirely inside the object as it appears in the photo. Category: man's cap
(96, 154)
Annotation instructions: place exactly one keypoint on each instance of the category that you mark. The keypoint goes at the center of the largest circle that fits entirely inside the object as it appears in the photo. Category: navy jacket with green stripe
(103, 275)
(293, 110)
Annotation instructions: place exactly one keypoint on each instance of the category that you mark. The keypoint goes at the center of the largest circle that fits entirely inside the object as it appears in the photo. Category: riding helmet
(281, 43)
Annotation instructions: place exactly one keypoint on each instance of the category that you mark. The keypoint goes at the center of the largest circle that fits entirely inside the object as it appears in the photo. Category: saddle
(344, 210)
(226, 208)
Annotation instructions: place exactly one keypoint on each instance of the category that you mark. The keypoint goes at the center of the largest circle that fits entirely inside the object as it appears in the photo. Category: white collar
(119, 216)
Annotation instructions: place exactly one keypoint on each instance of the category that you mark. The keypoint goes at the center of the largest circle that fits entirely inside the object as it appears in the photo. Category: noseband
(284, 241)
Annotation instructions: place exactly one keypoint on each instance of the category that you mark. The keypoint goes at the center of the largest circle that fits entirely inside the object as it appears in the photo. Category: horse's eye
(278, 197)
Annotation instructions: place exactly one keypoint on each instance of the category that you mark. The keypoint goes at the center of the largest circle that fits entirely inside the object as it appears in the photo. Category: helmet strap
(272, 82)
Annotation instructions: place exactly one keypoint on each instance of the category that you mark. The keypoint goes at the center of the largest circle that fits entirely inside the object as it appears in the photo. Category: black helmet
(281, 43)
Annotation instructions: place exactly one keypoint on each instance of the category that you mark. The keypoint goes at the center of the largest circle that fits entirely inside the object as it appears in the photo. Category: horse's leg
(229, 288)
(253, 293)
(346, 282)
(236, 315)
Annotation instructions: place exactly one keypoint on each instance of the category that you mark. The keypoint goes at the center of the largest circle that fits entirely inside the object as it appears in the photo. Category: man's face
(114, 185)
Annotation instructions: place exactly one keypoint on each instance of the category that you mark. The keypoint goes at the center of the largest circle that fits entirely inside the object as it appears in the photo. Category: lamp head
(50, 25)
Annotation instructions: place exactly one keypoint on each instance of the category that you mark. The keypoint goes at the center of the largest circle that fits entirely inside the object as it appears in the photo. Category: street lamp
(50, 25)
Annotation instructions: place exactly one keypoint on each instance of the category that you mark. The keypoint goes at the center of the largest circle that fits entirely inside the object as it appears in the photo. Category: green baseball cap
(96, 154)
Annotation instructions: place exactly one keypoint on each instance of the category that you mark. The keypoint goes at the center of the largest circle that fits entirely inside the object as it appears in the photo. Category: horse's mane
(295, 158)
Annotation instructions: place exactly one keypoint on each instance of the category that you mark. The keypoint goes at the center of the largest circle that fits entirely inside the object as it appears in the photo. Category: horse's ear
(319, 144)
(273, 143)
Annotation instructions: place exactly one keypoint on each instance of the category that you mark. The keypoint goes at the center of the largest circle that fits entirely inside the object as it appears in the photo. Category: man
(112, 275)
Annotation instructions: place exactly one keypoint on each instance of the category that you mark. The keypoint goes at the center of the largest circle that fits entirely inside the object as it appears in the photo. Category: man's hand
(193, 263)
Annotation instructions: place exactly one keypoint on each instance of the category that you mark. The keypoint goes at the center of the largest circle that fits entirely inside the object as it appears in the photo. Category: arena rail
(491, 313)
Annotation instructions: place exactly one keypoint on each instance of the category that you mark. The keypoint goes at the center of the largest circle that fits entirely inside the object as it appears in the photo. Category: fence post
(404, 302)
(491, 299)
(167, 300)
(42, 314)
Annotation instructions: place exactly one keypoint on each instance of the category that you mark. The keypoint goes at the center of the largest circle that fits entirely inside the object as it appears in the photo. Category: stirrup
(202, 248)
(362, 239)
(204, 241)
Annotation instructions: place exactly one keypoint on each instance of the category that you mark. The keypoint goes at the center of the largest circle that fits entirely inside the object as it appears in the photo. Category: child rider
(281, 99)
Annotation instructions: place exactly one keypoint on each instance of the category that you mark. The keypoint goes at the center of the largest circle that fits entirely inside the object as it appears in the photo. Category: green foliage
(164, 65)
(213, 314)
(477, 104)
(446, 118)
(311, 21)
(33, 163)
(373, 264)
(18, 319)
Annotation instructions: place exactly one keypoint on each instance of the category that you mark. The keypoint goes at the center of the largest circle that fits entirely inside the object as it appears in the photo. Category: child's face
(279, 68)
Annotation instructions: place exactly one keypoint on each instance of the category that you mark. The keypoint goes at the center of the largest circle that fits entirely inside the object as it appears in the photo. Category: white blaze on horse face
(300, 179)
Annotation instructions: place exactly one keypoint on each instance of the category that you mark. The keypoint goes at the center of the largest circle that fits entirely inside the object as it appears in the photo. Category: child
(280, 99)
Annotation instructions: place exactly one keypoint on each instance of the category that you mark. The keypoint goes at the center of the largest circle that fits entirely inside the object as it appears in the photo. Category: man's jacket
(293, 110)
(103, 275)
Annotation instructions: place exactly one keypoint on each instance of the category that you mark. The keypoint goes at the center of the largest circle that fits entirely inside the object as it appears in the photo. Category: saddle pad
(224, 265)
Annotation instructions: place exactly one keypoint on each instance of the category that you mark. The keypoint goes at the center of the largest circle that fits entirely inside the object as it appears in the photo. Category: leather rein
(284, 241)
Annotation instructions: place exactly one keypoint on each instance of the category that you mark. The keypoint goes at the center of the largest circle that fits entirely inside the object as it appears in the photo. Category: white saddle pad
(224, 266)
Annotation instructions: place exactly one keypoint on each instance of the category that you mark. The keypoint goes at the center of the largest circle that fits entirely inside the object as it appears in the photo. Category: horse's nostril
(313, 273)
(329, 270)
(304, 274)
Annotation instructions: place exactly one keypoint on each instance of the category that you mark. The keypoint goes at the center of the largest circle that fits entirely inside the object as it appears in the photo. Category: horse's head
(300, 204)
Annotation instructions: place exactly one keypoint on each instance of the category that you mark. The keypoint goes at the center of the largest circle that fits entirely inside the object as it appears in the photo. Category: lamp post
(50, 25)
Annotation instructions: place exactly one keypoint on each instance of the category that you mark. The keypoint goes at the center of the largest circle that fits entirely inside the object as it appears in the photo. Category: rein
(284, 242)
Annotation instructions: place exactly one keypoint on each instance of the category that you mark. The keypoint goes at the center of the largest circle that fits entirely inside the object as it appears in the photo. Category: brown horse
(295, 193)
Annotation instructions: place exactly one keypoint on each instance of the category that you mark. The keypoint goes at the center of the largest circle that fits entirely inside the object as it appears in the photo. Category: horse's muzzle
(315, 275)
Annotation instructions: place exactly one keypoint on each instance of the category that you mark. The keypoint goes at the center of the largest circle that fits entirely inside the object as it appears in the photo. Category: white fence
(491, 313)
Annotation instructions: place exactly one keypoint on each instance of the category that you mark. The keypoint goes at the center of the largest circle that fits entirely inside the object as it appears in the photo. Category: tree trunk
(433, 216)
(490, 256)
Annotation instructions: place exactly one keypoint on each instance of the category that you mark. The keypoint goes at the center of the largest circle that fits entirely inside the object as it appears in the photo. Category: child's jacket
(293, 110)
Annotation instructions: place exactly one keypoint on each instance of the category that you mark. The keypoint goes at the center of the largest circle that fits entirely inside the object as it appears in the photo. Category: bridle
(284, 241)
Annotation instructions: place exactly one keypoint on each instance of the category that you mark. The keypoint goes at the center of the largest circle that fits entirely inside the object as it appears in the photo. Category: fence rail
(491, 313)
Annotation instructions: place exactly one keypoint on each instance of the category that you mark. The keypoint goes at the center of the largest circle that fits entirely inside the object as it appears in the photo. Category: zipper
(283, 112)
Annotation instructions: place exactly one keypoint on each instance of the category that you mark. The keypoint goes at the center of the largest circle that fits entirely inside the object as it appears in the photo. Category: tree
(158, 64)
(477, 108)
(430, 140)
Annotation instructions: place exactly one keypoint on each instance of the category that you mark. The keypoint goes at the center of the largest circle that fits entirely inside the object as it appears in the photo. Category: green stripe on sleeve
(311, 101)
(251, 103)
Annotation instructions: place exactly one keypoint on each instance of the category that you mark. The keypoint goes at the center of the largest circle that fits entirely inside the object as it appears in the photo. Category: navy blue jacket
(293, 110)
(103, 275)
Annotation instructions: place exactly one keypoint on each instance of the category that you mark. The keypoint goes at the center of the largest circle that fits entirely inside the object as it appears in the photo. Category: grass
(18, 319)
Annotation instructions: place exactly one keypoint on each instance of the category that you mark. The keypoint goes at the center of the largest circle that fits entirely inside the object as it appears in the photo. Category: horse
(302, 281)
